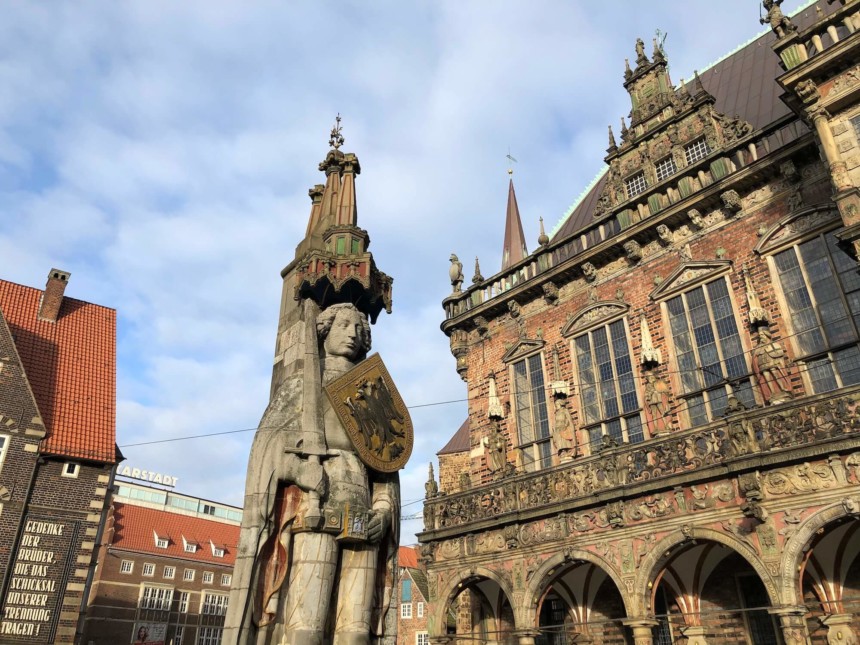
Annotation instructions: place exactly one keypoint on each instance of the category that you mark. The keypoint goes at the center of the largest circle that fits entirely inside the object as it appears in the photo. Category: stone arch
(640, 600)
(446, 595)
(791, 593)
(542, 579)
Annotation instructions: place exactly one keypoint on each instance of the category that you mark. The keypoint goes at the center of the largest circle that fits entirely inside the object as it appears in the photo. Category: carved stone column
(642, 629)
(695, 635)
(792, 621)
(839, 628)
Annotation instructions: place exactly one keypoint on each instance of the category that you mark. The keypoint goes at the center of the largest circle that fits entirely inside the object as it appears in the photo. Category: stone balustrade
(747, 439)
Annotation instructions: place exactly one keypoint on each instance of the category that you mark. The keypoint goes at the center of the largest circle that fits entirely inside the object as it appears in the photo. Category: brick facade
(673, 441)
(53, 495)
(172, 593)
(412, 610)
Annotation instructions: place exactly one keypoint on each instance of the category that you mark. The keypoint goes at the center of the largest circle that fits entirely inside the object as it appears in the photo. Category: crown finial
(336, 140)
(543, 238)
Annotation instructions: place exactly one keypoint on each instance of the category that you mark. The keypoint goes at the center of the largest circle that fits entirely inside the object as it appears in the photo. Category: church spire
(514, 248)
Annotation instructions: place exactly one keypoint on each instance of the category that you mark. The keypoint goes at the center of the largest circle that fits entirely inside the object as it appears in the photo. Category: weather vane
(512, 159)
(336, 138)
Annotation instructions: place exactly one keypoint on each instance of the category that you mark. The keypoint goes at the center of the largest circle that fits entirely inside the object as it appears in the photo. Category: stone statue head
(344, 331)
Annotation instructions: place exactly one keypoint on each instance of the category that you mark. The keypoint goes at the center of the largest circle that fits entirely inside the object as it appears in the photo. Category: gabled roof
(459, 442)
(744, 84)
(134, 527)
(407, 556)
(407, 559)
(71, 367)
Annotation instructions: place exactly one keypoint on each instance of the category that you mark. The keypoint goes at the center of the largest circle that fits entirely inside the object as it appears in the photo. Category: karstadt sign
(148, 476)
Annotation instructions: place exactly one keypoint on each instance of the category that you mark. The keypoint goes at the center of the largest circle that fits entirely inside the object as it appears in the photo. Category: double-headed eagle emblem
(373, 413)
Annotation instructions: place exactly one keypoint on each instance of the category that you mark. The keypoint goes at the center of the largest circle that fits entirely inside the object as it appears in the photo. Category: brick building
(57, 454)
(662, 441)
(165, 566)
(412, 588)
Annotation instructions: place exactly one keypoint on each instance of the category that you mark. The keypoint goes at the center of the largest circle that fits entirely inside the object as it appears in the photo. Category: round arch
(640, 601)
(791, 593)
(452, 588)
(542, 579)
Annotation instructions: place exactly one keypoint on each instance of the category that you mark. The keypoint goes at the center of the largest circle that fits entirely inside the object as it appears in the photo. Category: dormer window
(217, 551)
(697, 150)
(635, 185)
(160, 542)
(666, 168)
(190, 547)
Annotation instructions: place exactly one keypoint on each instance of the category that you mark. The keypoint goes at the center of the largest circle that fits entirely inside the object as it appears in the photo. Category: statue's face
(344, 337)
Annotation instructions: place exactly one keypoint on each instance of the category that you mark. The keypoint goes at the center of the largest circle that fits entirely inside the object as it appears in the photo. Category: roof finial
(612, 147)
(512, 160)
(543, 238)
(623, 129)
(627, 71)
(335, 140)
(477, 278)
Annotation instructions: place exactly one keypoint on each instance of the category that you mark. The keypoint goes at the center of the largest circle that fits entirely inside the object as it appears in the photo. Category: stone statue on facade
(564, 432)
(778, 21)
(769, 362)
(455, 273)
(496, 447)
(656, 393)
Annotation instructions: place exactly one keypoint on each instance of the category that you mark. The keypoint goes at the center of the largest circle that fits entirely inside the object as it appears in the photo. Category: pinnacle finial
(477, 278)
(543, 238)
(612, 144)
(627, 71)
(623, 128)
(336, 139)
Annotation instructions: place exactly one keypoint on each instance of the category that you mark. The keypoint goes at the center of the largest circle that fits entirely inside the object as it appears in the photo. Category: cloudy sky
(162, 153)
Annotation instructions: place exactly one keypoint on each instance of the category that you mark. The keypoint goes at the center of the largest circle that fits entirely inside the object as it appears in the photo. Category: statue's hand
(308, 475)
(377, 525)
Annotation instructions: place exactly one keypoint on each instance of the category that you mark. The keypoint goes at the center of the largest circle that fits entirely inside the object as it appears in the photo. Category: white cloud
(162, 152)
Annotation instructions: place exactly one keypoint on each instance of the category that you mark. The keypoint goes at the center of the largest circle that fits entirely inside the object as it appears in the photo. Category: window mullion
(718, 341)
(801, 264)
(694, 344)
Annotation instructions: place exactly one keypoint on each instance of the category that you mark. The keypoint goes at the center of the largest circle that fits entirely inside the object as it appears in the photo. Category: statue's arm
(385, 509)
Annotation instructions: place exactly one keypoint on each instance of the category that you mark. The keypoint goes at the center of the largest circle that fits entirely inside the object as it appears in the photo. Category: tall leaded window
(610, 405)
(821, 288)
(711, 359)
(531, 413)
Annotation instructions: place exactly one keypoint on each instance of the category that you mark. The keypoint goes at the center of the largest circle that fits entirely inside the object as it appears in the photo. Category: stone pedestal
(695, 635)
(528, 637)
(642, 628)
(792, 622)
(839, 629)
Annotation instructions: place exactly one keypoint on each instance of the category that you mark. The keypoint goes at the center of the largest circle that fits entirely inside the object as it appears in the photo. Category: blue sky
(162, 153)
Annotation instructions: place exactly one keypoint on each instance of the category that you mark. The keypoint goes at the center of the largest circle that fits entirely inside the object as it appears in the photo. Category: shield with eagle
(373, 414)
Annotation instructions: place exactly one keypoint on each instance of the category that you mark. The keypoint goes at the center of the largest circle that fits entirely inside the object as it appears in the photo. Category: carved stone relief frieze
(802, 478)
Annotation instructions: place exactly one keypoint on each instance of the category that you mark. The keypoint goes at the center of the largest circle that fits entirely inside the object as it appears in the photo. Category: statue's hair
(326, 319)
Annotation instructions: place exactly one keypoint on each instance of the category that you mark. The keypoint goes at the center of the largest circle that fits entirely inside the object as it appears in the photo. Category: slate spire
(514, 248)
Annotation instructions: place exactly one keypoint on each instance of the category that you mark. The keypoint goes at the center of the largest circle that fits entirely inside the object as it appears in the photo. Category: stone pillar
(642, 628)
(695, 635)
(792, 621)
(839, 629)
(528, 637)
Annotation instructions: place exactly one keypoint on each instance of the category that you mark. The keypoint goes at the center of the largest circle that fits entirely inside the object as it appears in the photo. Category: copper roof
(71, 367)
(459, 442)
(744, 84)
(135, 528)
(514, 248)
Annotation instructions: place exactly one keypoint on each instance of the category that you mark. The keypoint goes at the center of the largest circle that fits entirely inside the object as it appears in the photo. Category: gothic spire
(514, 248)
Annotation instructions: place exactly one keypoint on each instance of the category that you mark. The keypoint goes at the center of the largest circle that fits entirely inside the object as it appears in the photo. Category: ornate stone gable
(521, 348)
(797, 225)
(690, 274)
(596, 313)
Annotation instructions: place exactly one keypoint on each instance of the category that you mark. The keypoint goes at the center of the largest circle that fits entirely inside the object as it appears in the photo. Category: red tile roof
(134, 526)
(407, 556)
(71, 367)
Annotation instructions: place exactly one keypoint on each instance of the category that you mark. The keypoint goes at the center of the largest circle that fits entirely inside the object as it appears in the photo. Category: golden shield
(374, 415)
